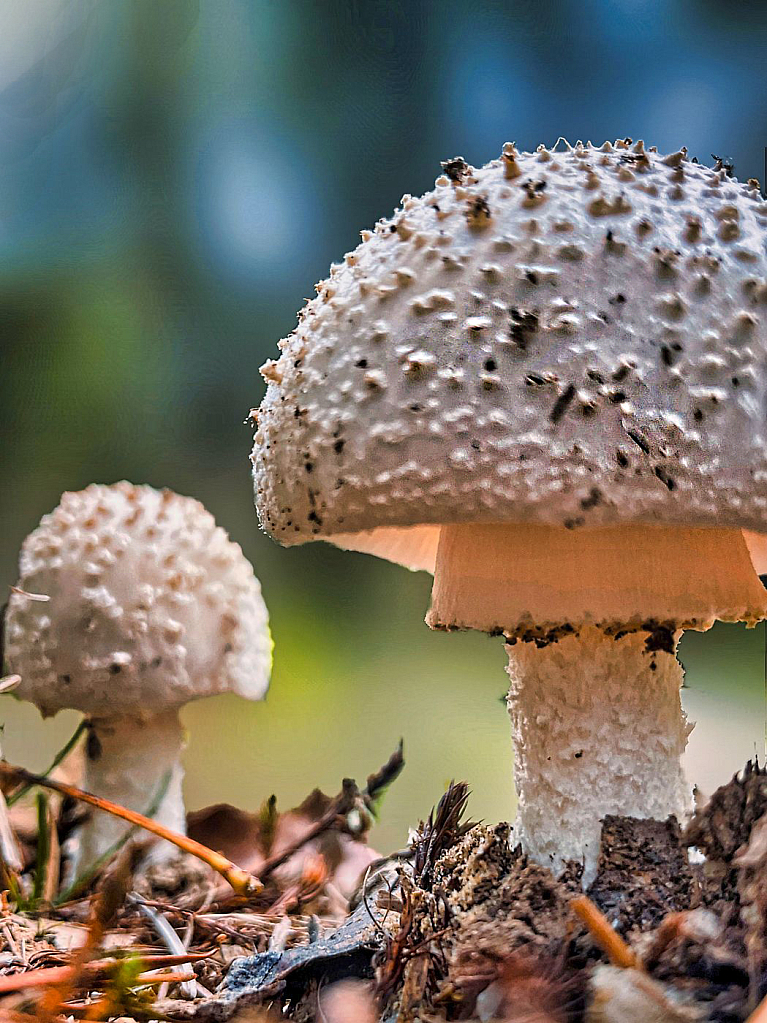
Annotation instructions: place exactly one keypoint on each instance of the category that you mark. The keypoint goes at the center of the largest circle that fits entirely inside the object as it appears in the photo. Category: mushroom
(559, 411)
(149, 605)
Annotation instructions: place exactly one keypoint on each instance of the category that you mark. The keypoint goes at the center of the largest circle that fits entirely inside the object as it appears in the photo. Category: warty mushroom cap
(150, 605)
(570, 337)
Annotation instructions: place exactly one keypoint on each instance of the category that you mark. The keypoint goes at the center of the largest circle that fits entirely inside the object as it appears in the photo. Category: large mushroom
(544, 382)
(149, 605)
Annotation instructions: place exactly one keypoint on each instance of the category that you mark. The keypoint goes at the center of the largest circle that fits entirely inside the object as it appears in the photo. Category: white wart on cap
(150, 605)
(543, 382)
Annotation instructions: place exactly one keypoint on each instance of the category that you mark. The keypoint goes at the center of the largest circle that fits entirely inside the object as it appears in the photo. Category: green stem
(42, 864)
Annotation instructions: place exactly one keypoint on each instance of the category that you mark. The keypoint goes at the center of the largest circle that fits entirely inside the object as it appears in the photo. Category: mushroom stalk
(128, 761)
(598, 729)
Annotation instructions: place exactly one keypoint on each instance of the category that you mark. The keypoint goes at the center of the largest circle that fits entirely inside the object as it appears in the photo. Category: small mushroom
(150, 605)
(606, 492)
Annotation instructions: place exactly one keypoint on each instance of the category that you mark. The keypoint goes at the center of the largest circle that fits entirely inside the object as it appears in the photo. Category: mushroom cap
(571, 337)
(150, 605)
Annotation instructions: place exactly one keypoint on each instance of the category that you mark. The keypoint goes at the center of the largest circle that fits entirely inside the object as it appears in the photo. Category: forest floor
(312, 924)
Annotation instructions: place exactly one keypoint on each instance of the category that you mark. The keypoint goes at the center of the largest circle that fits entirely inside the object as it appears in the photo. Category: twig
(377, 924)
(377, 783)
(85, 877)
(608, 939)
(11, 940)
(241, 881)
(143, 980)
(338, 808)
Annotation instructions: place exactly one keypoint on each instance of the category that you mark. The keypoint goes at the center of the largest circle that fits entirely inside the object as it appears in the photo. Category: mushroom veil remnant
(150, 605)
(544, 382)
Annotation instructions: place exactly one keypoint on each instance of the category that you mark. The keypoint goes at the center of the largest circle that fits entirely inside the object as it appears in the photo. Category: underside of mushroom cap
(569, 338)
(538, 583)
(147, 604)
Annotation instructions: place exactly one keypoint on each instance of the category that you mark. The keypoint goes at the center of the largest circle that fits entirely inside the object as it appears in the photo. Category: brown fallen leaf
(282, 845)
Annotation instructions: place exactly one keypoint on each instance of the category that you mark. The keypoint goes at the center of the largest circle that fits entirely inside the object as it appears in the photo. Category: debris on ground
(460, 925)
(140, 939)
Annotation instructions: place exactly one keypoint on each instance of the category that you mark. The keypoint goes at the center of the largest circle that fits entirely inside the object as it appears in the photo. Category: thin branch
(608, 939)
(241, 881)
(340, 806)
(85, 877)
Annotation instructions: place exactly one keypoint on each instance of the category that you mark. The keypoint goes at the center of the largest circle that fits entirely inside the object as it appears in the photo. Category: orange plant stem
(241, 881)
(604, 934)
(92, 971)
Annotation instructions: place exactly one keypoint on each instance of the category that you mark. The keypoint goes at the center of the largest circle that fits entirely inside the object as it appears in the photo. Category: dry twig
(241, 881)
(608, 939)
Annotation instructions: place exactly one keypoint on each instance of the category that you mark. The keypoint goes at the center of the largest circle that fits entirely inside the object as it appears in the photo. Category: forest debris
(344, 953)
(236, 833)
(168, 936)
(301, 955)
(501, 902)
(461, 926)
(104, 908)
(93, 972)
(440, 831)
(415, 977)
(629, 996)
(332, 818)
(724, 824)
(269, 842)
(484, 912)
(751, 863)
(643, 873)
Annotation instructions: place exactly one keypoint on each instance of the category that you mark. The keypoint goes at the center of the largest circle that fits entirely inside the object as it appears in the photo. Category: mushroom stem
(127, 760)
(598, 729)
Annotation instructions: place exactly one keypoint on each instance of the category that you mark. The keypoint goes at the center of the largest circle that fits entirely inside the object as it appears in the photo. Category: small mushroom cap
(569, 338)
(150, 605)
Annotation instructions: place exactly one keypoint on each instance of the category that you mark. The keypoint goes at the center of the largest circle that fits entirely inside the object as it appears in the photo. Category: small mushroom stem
(598, 729)
(127, 761)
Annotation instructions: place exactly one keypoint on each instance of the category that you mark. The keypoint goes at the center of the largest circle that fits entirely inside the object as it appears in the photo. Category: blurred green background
(174, 177)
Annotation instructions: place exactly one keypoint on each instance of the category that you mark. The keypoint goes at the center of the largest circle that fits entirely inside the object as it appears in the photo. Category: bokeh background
(174, 177)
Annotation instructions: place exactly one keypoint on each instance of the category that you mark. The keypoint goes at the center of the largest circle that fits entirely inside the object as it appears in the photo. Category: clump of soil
(484, 934)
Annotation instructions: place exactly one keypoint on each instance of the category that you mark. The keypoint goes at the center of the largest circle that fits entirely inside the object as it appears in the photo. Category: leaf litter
(459, 925)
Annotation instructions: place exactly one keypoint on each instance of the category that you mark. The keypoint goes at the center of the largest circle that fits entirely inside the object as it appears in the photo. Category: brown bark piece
(642, 874)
